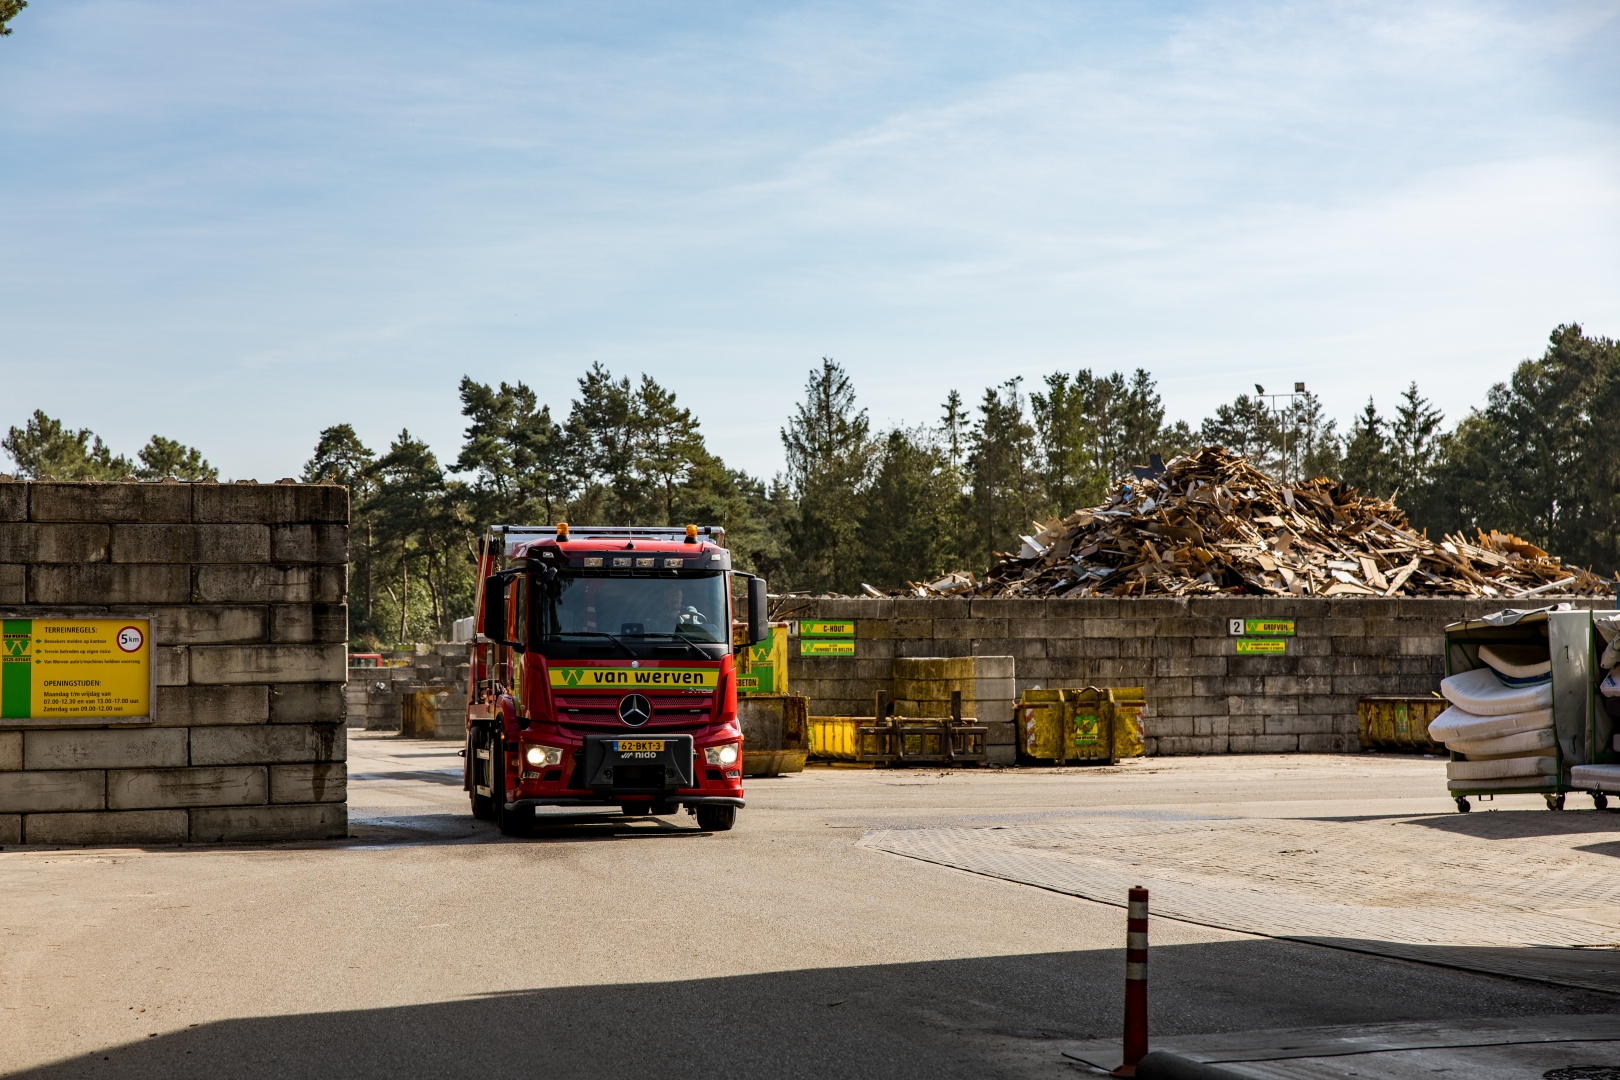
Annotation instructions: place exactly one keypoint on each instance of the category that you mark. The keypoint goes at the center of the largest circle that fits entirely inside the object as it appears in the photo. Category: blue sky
(234, 224)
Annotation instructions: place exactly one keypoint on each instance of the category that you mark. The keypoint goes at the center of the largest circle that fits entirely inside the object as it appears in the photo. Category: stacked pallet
(923, 687)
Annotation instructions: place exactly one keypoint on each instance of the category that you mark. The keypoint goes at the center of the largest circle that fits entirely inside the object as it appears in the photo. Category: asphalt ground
(429, 945)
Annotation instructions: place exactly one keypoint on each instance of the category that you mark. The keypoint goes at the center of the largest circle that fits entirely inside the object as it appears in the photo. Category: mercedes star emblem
(635, 710)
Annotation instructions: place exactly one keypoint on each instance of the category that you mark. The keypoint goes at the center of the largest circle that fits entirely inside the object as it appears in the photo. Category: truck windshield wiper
(595, 633)
(684, 640)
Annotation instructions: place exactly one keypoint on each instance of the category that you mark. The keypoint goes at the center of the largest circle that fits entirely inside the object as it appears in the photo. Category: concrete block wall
(246, 586)
(1202, 697)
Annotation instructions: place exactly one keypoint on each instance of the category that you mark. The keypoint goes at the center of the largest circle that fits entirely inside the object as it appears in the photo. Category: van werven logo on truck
(586, 678)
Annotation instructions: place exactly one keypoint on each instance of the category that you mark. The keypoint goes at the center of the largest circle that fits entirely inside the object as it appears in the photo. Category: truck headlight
(724, 754)
(543, 755)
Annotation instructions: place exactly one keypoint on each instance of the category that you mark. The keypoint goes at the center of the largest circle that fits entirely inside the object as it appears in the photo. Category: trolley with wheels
(1581, 733)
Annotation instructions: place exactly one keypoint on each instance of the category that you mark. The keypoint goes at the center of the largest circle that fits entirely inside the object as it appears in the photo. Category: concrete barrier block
(1189, 666)
(1262, 706)
(270, 744)
(205, 706)
(271, 504)
(206, 624)
(1188, 744)
(1298, 725)
(1262, 744)
(11, 751)
(309, 783)
(105, 583)
(50, 790)
(990, 666)
(1000, 754)
(974, 629)
(1329, 744)
(10, 829)
(13, 501)
(190, 543)
(256, 584)
(260, 824)
(1007, 609)
(309, 623)
(237, 664)
(112, 827)
(172, 663)
(106, 748)
(310, 544)
(143, 789)
(68, 543)
(13, 584)
(1095, 607)
(100, 502)
(912, 629)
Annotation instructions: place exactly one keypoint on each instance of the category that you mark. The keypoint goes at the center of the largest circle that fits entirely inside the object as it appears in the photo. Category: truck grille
(603, 709)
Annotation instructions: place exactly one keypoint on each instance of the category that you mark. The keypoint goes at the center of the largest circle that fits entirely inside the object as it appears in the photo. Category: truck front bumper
(608, 800)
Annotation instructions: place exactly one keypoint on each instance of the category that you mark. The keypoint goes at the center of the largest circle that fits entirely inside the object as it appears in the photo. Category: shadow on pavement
(979, 1017)
(1485, 824)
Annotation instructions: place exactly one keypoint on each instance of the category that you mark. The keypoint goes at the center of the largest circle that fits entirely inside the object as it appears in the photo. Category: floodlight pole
(1299, 392)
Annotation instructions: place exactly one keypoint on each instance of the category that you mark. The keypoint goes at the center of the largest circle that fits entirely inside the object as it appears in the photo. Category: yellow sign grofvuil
(628, 678)
(66, 668)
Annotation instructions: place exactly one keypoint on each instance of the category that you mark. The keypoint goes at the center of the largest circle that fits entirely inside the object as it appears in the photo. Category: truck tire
(483, 806)
(519, 822)
(716, 818)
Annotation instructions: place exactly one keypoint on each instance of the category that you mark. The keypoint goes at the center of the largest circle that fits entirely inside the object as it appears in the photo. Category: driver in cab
(673, 614)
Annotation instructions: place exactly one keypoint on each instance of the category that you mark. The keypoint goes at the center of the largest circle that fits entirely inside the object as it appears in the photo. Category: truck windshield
(692, 606)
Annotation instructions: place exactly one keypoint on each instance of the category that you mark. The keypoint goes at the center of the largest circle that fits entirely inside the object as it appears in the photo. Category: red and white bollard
(1136, 946)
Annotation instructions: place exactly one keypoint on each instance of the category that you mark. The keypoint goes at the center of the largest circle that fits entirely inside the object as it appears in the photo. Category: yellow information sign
(1273, 645)
(627, 678)
(827, 648)
(1269, 627)
(824, 628)
(75, 669)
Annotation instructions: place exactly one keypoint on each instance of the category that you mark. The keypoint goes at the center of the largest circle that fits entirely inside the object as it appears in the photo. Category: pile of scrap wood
(1212, 523)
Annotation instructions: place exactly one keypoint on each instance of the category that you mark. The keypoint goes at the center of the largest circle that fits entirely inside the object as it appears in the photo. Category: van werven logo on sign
(676, 678)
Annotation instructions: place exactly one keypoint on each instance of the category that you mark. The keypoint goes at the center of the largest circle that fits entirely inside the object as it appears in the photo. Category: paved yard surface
(803, 943)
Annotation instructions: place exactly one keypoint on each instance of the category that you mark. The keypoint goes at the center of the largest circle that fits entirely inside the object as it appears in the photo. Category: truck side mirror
(494, 627)
(759, 622)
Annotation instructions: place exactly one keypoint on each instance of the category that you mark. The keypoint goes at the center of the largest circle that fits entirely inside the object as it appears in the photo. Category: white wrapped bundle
(1522, 743)
(1596, 777)
(1456, 725)
(1480, 692)
(1502, 768)
(1504, 784)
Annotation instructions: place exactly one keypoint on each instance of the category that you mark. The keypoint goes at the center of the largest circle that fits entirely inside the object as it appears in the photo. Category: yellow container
(1064, 725)
(763, 668)
(1399, 723)
(834, 738)
(1040, 723)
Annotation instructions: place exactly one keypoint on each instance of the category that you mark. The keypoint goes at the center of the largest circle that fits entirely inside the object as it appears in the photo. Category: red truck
(603, 673)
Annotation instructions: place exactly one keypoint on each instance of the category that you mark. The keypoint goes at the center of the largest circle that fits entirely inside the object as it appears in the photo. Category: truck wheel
(716, 818)
(483, 806)
(519, 822)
